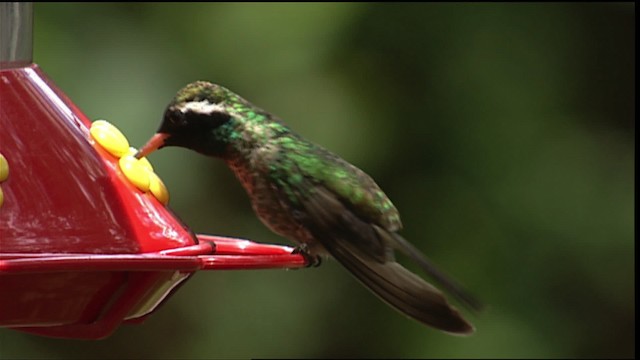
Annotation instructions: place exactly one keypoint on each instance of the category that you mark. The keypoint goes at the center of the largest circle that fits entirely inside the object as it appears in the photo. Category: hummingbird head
(193, 118)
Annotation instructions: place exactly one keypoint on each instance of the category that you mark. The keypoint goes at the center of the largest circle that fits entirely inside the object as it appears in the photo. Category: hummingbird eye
(176, 118)
(188, 118)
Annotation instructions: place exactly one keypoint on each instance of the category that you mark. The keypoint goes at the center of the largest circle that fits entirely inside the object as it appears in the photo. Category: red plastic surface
(212, 253)
(64, 194)
(87, 296)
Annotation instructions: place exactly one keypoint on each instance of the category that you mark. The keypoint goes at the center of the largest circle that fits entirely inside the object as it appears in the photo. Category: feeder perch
(82, 250)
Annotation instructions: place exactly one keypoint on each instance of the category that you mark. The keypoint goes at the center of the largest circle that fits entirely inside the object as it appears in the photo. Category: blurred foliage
(503, 132)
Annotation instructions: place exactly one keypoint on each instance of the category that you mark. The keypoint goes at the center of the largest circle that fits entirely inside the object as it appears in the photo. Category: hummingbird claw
(310, 260)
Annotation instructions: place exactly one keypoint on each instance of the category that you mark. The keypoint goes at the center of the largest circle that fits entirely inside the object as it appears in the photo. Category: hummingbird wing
(344, 210)
(374, 209)
(342, 234)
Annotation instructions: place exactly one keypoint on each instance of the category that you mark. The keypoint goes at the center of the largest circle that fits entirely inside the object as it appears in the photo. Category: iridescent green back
(301, 163)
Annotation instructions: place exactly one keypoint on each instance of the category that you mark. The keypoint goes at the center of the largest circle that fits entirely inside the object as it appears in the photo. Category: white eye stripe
(201, 107)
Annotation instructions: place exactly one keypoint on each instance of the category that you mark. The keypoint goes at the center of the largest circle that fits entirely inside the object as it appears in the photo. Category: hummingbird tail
(440, 277)
(404, 290)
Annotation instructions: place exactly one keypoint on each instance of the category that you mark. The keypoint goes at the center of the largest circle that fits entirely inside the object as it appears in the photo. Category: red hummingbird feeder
(82, 250)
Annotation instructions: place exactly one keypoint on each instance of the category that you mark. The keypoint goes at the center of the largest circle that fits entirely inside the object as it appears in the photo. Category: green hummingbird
(311, 196)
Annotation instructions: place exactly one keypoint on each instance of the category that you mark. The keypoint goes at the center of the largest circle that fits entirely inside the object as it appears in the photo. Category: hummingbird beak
(156, 142)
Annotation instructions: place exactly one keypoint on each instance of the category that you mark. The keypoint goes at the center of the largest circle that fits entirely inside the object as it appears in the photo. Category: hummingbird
(313, 197)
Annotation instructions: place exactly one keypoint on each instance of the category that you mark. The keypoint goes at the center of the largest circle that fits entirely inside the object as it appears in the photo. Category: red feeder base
(81, 249)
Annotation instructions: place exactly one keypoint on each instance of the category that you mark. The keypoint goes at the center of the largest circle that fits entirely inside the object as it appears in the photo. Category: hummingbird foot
(310, 259)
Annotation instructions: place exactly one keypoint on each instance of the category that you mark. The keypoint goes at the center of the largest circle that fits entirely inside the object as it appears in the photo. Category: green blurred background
(504, 133)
